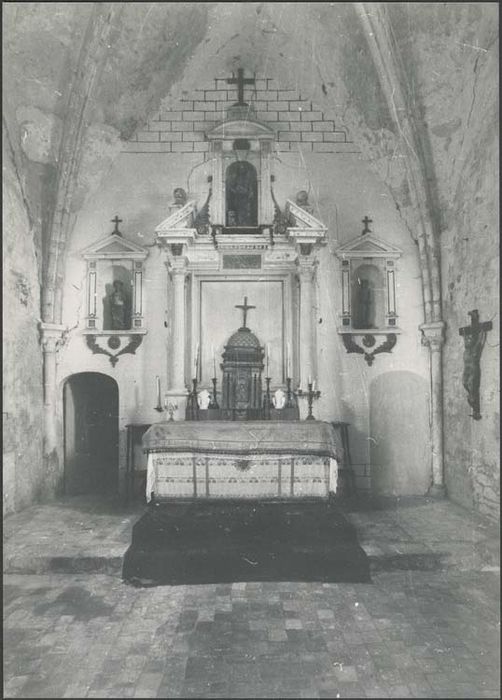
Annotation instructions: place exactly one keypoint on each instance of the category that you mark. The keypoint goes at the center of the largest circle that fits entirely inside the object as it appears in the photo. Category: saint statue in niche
(241, 194)
(120, 315)
(364, 316)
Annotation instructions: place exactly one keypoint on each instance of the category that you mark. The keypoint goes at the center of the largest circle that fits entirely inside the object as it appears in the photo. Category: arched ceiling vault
(83, 77)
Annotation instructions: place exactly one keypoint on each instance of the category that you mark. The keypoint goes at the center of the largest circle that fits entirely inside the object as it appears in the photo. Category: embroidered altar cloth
(256, 459)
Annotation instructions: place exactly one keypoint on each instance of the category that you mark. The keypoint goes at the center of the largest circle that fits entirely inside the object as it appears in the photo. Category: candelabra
(311, 395)
(214, 398)
(267, 401)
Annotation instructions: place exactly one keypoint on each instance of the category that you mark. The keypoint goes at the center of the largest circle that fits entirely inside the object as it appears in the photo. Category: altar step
(253, 540)
(82, 536)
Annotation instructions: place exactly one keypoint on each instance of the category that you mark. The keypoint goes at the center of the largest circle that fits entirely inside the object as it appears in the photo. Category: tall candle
(158, 391)
(196, 362)
(313, 385)
(288, 361)
(268, 357)
(214, 361)
(310, 380)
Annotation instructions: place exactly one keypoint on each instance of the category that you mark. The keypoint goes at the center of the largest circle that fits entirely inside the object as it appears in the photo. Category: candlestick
(214, 399)
(158, 407)
(310, 399)
(289, 401)
(267, 402)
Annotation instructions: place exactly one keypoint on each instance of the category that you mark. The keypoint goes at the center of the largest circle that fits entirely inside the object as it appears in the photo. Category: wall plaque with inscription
(241, 262)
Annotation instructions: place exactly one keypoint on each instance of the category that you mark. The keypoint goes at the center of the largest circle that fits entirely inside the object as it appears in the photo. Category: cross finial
(240, 81)
(245, 308)
(116, 221)
(367, 221)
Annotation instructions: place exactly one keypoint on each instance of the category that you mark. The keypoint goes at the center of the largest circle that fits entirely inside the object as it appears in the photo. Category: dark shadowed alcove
(91, 403)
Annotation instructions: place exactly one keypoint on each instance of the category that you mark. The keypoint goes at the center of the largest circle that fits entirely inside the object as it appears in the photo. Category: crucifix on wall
(474, 340)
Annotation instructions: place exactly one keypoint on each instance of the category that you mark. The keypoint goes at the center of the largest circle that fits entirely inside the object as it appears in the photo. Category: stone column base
(437, 491)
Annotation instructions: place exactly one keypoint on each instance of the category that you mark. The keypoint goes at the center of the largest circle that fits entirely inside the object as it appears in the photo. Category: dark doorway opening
(241, 184)
(91, 434)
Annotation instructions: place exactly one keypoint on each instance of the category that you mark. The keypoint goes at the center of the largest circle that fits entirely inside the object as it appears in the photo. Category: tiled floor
(410, 633)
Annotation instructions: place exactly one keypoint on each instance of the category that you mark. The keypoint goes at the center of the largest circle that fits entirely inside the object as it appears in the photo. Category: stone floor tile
(424, 632)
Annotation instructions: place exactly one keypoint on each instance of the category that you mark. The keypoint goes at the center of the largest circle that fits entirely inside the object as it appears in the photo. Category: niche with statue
(114, 295)
(368, 273)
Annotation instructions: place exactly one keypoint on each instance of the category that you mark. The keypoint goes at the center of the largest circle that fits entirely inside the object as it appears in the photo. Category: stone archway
(91, 434)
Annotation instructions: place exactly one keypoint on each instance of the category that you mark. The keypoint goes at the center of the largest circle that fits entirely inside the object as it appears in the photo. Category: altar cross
(367, 222)
(245, 308)
(116, 221)
(240, 81)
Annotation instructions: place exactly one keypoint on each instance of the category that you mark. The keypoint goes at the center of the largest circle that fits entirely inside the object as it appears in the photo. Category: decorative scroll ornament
(114, 342)
(369, 340)
(201, 221)
(281, 220)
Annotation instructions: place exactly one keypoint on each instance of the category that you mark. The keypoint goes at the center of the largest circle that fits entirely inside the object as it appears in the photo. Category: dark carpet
(203, 542)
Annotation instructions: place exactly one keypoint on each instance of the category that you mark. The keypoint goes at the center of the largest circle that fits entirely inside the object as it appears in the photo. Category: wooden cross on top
(240, 81)
(245, 307)
(116, 221)
(367, 222)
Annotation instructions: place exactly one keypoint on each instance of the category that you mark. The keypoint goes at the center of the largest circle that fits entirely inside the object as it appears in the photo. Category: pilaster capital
(306, 266)
(433, 335)
(52, 336)
(177, 264)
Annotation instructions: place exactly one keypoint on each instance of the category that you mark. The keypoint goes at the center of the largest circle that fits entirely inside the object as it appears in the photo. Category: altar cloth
(256, 459)
(300, 437)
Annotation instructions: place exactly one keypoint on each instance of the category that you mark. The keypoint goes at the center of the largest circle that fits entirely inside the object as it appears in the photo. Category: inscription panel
(242, 262)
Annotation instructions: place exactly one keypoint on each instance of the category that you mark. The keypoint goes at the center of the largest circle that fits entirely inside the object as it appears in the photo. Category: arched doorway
(241, 184)
(91, 407)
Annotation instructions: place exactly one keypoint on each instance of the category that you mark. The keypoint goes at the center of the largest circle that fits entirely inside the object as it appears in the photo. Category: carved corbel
(368, 340)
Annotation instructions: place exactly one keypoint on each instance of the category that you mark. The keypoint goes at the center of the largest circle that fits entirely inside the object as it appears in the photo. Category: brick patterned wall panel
(180, 127)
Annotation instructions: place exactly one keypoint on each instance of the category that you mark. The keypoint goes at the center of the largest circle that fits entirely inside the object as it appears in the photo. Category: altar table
(255, 459)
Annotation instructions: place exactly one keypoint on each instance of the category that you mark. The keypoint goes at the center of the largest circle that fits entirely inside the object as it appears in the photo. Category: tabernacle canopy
(253, 437)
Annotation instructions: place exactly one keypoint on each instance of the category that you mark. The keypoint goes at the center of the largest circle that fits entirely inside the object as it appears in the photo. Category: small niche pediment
(114, 246)
(368, 245)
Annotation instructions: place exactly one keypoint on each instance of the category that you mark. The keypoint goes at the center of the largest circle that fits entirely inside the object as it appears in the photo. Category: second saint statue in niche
(364, 316)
